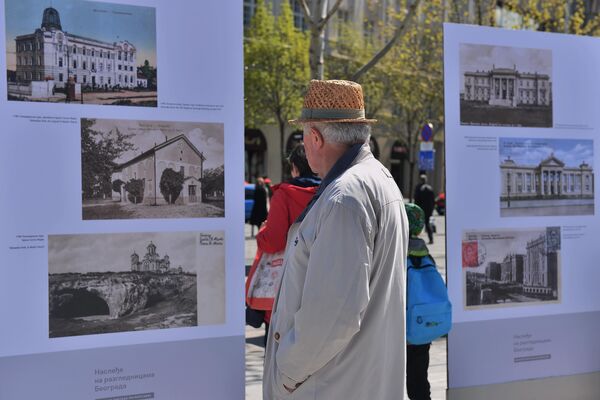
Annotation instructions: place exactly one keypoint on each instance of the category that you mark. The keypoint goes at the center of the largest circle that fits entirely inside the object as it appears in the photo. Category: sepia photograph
(124, 282)
(511, 267)
(81, 52)
(152, 169)
(505, 86)
(546, 177)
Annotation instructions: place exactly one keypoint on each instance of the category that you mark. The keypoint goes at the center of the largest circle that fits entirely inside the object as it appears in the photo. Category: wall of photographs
(121, 235)
(522, 146)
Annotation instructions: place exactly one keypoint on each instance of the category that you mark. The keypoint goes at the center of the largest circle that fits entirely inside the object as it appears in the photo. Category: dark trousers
(417, 363)
(428, 228)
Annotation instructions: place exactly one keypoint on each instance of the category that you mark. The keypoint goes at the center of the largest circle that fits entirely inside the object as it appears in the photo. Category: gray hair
(343, 132)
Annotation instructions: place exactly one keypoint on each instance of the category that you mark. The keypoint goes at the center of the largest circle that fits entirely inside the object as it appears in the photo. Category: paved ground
(255, 337)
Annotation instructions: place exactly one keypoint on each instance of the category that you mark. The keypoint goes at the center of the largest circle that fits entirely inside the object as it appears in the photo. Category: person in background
(417, 356)
(425, 198)
(269, 186)
(337, 329)
(259, 209)
(289, 200)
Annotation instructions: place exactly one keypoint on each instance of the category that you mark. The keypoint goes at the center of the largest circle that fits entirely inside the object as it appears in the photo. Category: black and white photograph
(546, 177)
(511, 267)
(81, 52)
(124, 282)
(135, 169)
(505, 86)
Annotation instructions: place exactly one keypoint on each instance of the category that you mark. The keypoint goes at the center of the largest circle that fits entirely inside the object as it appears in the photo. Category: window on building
(31, 61)
(102, 80)
(249, 10)
(19, 60)
(60, 62)
(74, 50)
(60, 77)
(299, 21)
(109, 81)
(119, 55)
(85, 79)
(75, 78)
(587, 183)
(84, 65)
(74, 63)
(119, 67)
(93, 66)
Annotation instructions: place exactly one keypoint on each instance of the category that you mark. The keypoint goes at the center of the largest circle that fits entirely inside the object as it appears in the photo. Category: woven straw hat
(333, 101)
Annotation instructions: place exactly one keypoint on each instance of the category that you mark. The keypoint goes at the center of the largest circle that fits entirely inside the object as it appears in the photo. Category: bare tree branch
(330, 13)
(412, 10)
(305, 9)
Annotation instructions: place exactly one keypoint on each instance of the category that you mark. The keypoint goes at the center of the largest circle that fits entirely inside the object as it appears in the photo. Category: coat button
(276, 335)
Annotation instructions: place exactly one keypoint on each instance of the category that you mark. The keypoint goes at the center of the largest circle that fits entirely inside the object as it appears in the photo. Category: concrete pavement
(255, 337)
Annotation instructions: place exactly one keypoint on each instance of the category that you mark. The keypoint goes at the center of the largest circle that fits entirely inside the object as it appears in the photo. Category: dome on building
(51, 19)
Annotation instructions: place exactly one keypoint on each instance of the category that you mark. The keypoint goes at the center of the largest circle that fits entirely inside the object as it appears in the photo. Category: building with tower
(51, 53)
(151, 262)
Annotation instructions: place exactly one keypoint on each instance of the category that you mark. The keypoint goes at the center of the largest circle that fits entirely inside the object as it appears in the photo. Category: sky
(474, 57)
(505, 242)
(528, 151)
(207, 137)
(112, 252)
(108, 22)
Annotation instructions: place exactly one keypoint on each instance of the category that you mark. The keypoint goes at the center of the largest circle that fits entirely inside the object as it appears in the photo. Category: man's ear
(316, 137)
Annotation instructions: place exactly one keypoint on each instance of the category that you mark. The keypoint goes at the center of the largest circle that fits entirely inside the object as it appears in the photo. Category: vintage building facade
(540, 272)
(178, 154)
(151, 262)
(50, 53)
(550, 179)
(507, 87)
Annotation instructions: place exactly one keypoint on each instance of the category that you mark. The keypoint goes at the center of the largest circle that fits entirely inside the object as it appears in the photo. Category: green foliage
(276, 67)
(150, 73)
(116, 185)
(213, 181)
(171, 184)
(135, 190)
(99, 151)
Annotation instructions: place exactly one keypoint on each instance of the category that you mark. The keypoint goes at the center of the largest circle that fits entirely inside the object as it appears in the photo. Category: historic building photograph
(82, 52)
(135, 169)
(507, 267)
(546, 177)
(119, 282)
(505, 86)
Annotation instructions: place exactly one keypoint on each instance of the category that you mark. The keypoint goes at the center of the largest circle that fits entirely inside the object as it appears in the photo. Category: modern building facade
(51, 53)
(507, 87)
(550, 179)
(178, 154)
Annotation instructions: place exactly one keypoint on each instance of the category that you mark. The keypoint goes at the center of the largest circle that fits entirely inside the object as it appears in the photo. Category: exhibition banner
(522, 127)
(121, 217)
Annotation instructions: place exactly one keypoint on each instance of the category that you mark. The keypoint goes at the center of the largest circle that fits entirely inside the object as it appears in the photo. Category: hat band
(328, 113)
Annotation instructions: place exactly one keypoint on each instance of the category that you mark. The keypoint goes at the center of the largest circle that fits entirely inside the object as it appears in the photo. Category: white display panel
(521, 151)
(118, 236)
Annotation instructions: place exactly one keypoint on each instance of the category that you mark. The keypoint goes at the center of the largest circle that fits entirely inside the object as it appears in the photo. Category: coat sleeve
(336, 294)
(273, 235)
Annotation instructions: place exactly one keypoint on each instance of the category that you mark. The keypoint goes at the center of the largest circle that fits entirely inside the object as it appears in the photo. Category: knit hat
(416, 218)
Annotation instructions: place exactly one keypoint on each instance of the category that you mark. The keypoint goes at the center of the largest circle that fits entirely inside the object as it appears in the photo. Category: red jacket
(287, 203)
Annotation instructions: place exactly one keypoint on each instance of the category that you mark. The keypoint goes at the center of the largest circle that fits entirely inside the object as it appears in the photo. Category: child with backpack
(429, 313)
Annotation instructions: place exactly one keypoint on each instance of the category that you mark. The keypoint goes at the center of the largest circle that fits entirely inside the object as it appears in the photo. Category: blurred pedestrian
(425, 198)
(337, 329)
(289, 200)
(259, 208)
(417, 356)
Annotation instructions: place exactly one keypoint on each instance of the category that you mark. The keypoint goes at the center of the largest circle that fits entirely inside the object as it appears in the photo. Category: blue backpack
(428, 310)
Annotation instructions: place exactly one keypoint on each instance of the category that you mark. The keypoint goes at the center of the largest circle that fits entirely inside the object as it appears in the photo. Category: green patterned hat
(416, 218)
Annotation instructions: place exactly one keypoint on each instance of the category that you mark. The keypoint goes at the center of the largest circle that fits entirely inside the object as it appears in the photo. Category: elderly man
(338, 330)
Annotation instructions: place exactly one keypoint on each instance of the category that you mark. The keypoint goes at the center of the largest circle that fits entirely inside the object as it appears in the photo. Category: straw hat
(333, 101)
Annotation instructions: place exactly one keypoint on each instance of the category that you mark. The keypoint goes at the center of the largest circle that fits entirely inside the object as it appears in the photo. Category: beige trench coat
(337, 331)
